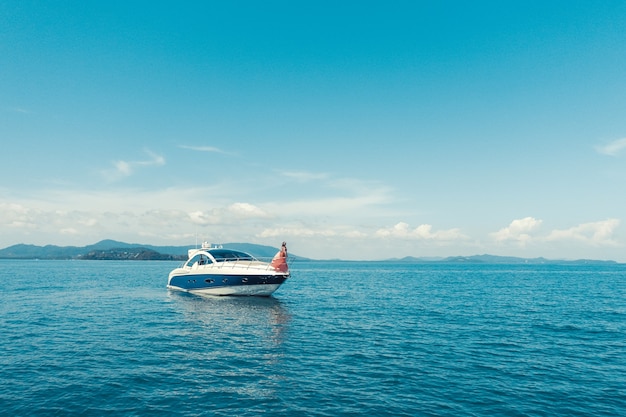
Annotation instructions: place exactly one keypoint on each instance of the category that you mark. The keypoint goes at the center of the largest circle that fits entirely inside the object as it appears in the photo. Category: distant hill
(111, 249)
(134, 254)
(493, 259)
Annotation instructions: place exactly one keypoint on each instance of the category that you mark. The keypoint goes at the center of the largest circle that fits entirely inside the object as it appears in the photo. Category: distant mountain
(22, 251)
(493, 259)
(411, 259)
(135, 254)
(112, 249)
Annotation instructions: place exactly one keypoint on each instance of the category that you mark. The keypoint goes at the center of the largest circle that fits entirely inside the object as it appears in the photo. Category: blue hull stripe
(197, 282)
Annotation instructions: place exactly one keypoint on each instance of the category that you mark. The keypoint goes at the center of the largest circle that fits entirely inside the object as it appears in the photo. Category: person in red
(279, 262)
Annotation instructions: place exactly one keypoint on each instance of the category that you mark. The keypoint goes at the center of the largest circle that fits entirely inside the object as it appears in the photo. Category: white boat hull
(209, 272)
(264, 290)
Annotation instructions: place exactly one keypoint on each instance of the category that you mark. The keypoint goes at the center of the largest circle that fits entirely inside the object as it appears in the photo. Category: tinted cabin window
(222, 255)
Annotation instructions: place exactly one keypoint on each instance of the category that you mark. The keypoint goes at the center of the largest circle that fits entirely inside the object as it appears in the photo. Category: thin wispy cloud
(308, 231)
(231, 214)
(122, 169)
(319, 194)
(613, 148)
(329, 206)
(304, 232)
(305, 176)
(202, 149)
(155, 159)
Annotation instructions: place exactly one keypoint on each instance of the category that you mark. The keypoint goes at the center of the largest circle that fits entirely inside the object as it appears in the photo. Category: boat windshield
(199, 259)
(222, 255)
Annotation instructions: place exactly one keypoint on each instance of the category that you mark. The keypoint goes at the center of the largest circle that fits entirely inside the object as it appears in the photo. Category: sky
(357, 130)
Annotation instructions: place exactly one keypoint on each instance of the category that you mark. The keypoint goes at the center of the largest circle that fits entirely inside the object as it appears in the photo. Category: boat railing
(261, 263)
(258, 263)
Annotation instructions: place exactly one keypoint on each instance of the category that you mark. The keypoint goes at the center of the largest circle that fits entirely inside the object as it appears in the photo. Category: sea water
(95, 338)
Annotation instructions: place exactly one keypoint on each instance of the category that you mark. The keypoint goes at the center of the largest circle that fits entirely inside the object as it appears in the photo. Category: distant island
(508, 260)
(130, 254)
(115, 250)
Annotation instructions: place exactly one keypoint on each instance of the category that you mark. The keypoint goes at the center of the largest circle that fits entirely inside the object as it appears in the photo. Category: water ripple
(94, 338)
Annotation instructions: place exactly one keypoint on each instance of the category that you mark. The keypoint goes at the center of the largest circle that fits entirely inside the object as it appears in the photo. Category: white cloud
(88, 222)
(201, 148)
(350, 225)
(347, 198)
(595, 233)
(355, 234)
(123, 169)
(12, 208)
(231, 214)
(324, 206)
(201, 218)
(155, 159)
(246, 210)
(423, 232)
(518, 231)
(304, 176)
(297, 232)
(612, 148)
(340, 233)
(16, 216)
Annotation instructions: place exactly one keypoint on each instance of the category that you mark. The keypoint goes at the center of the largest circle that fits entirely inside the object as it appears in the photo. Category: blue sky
(358, 130)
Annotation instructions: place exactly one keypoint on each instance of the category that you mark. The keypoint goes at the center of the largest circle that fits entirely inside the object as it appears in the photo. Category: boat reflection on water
(235, 322)
(234, 347)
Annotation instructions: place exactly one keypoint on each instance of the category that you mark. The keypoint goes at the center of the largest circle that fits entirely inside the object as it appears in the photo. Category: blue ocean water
(337, 339)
